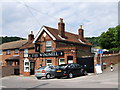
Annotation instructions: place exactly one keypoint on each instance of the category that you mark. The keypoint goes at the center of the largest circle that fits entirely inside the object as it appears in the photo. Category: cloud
(96, 17)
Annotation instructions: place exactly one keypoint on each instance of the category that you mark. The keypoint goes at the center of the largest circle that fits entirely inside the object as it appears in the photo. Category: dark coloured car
(70, 70)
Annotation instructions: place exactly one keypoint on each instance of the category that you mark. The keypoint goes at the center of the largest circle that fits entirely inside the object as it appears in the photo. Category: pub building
(53, 47)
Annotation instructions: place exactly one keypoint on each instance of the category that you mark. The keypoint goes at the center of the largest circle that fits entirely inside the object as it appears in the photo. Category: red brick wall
(22, 60)
(66, 47)
(112, 58)
(44, 39)
(7, 70)
(5, 56)
(115, 58)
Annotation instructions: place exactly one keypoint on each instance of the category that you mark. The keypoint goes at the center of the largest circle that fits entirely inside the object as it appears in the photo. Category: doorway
(32, 68)
(88, 62)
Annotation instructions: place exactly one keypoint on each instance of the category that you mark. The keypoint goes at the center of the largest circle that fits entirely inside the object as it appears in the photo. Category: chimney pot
(31, 32)
(30, 36)
(61, 20)
(80, 26)
(81, 33)
(61, 28)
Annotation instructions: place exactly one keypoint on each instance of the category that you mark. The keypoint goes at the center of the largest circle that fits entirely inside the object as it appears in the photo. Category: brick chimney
(81, 33)
(61, 28)
(30, 36)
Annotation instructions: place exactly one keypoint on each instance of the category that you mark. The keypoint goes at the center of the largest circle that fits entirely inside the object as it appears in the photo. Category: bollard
(111, 67)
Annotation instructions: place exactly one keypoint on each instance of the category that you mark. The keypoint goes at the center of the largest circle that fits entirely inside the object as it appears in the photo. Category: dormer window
(48, 46)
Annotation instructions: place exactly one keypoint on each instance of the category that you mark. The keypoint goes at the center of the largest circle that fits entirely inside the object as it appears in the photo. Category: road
(107, 79)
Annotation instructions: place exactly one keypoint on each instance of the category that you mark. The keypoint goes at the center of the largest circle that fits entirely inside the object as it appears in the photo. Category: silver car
(45, 71)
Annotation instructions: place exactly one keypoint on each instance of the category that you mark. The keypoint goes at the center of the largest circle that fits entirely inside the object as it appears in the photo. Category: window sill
(7, 54)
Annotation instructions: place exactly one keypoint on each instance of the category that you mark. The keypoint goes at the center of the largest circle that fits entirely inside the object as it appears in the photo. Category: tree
(93, 40)
(9, 39)
(110, 39)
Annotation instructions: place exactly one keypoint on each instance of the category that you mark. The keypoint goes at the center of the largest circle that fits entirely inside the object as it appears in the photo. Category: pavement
(107, 79)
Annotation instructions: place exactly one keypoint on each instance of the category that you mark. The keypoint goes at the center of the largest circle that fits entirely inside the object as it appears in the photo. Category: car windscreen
(43, 67)
(62, 66)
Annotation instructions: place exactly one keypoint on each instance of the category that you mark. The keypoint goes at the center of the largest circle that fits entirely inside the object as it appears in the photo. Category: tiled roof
(12, 45)
(14, 58)
(28, 45)
(70, 37)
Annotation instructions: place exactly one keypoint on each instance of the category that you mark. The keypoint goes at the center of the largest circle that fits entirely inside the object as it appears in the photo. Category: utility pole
(101, 60)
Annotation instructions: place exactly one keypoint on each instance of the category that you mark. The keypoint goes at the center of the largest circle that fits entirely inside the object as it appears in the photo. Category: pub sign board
(47, 54)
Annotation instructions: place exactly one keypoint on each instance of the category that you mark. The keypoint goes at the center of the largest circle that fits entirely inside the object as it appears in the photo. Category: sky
(20, 17)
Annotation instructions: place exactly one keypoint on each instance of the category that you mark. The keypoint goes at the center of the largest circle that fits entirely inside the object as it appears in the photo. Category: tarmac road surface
(107, 79)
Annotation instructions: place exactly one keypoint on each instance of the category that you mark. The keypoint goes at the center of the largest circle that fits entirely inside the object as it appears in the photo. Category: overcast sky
(21, 17)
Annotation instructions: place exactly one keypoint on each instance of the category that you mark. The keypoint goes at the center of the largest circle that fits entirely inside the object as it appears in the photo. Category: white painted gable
(40, 32)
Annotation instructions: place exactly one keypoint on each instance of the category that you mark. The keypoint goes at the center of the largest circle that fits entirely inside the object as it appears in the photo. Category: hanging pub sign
(47, 54)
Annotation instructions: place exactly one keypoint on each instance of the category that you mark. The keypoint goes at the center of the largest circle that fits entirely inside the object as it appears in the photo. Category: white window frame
(47, 64)
(48, 45)
(26, 65)
(25, 52)
(60, 62)
(1, 52)
(70, 61)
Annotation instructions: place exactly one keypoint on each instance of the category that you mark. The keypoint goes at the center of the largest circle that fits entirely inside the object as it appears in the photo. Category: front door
(32, 68)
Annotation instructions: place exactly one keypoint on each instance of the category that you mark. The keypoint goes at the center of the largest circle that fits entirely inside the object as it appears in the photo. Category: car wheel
(38, 77)
(85, 72)
(70, 75)
(48, 76)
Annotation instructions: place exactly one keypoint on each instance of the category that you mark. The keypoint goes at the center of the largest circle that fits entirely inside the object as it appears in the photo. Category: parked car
(45, 71)
(70, 70)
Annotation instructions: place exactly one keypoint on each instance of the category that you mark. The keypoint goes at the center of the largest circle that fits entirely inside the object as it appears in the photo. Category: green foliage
(93, 40)
(110, 39)
(114, 49)
(9, 39)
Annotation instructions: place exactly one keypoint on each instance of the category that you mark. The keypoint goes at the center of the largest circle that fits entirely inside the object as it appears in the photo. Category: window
(25, 52)
(48, 46)
(8, 52)
(51, 67)
(70, 59)
(1, 52)
(77, 65)
(48, 62)
(16, 51)
(71, 66)
(61, 61)
(9, 63)
(37, 47)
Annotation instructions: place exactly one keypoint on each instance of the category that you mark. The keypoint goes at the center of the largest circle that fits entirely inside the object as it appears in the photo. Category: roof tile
(70, 37)
(13, 45)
